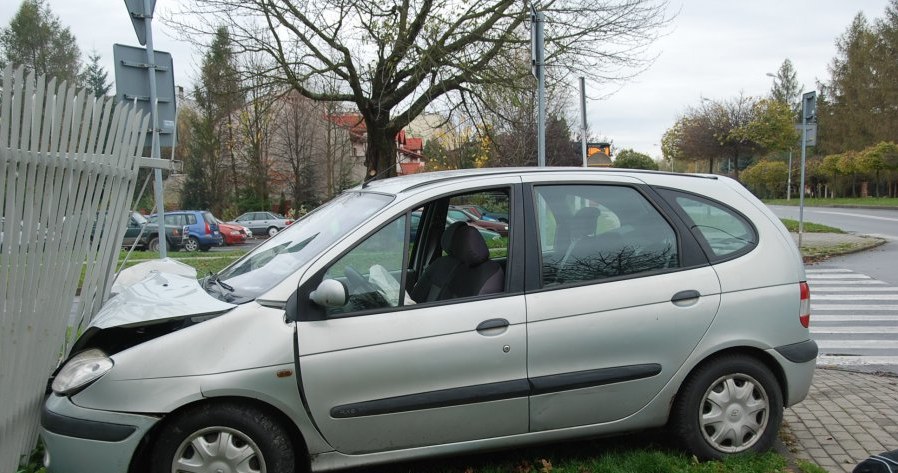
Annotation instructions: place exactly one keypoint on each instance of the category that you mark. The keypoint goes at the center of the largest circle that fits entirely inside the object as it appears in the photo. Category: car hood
(158, 298)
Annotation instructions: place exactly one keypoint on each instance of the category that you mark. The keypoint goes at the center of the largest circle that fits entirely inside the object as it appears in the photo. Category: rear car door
(622, 296)
(385, 372)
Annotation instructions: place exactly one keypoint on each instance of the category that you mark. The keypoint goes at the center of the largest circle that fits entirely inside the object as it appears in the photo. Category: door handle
(685, 295)
(492, 324)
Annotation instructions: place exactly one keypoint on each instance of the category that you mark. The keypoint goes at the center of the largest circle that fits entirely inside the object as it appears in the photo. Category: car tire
(192, 244)
(272, 231)
(253, 440)
(153, 244)
(732, 404)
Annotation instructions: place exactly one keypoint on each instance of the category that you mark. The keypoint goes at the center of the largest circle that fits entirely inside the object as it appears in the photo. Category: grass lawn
(849, 201)
(204, 262)
(809, 227)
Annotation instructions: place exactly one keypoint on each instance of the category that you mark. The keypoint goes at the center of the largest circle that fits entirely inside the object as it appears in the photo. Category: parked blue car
(201, 225)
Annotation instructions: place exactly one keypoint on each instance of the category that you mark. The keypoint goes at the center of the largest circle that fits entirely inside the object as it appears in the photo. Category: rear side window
(726, 233)
(191, 219)
(594, 232)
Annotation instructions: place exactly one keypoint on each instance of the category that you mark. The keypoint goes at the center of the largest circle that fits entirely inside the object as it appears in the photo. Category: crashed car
(620, 300)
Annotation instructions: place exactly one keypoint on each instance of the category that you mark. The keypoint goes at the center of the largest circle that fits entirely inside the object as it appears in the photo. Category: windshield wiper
(213, 278)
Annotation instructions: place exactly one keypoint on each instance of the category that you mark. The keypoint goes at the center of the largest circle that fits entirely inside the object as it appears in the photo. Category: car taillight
(175, 232)
(288, 222)
(208, 229)
(804, 312)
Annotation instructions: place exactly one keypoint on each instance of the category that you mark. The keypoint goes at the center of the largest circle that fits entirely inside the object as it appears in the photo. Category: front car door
(622, 296)
(386, 372)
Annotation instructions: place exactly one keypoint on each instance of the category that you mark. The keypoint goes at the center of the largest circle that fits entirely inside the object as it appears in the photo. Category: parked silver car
(620, 300)
(263, 223)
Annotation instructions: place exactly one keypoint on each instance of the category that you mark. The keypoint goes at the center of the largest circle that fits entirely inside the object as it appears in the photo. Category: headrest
(448, 233)
(469, 247)
(585, 222)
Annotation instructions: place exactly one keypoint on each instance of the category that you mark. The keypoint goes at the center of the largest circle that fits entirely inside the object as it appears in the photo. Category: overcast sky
(714, 49)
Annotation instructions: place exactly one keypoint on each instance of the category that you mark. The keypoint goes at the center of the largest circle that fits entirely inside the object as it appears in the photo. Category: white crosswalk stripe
(854, 318)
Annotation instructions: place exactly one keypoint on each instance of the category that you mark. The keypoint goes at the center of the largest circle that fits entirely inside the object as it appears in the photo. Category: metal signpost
(129, 87)
(583, 117)
(808, 121)
(537, 51)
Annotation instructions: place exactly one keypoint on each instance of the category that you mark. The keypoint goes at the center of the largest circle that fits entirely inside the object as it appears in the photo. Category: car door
(621, 298)
(131, 232)
(387, 373)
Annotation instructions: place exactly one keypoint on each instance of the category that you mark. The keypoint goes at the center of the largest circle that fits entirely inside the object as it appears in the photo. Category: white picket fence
(68, 165)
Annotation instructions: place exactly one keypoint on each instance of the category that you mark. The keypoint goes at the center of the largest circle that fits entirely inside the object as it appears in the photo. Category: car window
(457, 260)
(372, 271)
(593, 232)
(191, 219)
(725, 231)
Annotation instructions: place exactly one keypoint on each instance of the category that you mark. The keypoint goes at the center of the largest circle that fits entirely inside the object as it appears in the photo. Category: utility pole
(537, 49)
(583, 118)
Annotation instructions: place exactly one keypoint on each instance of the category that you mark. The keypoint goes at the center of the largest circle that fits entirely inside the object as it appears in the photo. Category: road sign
(809, 108)
(138, 14)
(132, 82)
(811, 137)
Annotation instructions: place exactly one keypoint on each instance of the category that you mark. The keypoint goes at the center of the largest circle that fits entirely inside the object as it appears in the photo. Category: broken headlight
(81, 370)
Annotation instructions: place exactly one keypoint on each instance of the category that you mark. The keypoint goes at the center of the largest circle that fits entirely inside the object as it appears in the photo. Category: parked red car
(232, 234)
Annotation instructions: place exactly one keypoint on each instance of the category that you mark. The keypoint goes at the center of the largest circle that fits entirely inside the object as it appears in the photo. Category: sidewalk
(846, 417)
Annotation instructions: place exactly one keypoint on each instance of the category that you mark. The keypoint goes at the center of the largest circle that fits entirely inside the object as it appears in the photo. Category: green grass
(627, 454)
(809, 227)
(818, 202)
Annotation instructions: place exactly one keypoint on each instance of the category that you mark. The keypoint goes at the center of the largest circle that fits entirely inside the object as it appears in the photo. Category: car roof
(396, 185)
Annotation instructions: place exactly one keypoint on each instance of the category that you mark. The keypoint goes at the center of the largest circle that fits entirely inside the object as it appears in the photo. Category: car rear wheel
(272, 231)
(153, 245)
(192, 244)
(730, 405)
(225, 437)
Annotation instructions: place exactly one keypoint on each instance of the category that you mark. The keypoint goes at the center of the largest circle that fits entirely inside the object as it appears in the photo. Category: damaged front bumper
(80, 440)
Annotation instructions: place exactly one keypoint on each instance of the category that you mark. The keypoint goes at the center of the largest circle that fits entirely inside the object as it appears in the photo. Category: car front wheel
(224, 437)
(730, 405)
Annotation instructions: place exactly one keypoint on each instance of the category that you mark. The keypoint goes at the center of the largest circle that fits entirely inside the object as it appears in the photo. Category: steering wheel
(356, 280)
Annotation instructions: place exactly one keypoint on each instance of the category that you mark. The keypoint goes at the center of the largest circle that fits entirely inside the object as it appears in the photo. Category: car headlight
(83, 369)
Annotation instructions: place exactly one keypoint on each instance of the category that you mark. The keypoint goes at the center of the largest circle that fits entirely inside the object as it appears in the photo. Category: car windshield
(296, 245)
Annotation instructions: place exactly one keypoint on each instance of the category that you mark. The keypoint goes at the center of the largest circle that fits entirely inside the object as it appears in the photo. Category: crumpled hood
(158, 298)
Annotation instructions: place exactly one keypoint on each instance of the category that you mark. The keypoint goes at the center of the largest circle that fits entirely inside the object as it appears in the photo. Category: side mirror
(330, 293)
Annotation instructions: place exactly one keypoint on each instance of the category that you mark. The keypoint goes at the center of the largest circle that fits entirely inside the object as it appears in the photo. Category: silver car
(263, 223)
(620, 300)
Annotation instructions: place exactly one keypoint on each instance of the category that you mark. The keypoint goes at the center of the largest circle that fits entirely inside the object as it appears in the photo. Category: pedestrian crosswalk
(854, 318)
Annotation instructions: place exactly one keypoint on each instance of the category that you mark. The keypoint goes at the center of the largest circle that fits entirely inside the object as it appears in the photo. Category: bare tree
(394, 57)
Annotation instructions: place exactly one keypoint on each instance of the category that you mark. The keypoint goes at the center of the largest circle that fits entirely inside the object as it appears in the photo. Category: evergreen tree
(786, 88)
(37, 40)
(851, 107)
(210, 155)
(94, 77)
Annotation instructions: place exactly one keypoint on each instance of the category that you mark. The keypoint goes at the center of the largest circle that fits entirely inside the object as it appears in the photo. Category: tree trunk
(711, 166)
(380, 155)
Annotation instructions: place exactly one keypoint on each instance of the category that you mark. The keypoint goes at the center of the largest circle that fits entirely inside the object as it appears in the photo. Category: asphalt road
(880, 262)
(854, 298)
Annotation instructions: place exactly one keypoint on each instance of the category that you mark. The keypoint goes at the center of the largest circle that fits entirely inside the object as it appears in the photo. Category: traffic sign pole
(154, 122)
